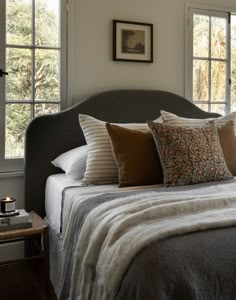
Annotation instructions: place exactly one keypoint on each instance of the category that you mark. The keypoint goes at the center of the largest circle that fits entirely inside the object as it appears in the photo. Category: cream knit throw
(116, 231)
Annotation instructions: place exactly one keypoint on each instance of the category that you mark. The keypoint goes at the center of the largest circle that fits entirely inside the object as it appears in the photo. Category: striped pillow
(174, 120)
(101, 167)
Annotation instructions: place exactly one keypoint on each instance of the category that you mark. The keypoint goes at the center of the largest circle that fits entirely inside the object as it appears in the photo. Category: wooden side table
(35, 266)
(39, 229)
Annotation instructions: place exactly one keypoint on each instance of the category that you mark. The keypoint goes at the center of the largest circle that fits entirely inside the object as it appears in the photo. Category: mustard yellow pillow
(228, 144)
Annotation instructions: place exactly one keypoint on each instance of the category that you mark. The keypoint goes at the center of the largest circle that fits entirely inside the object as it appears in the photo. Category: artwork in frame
(132, 41)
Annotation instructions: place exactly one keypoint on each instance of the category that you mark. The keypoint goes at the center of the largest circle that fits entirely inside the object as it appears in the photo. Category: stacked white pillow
(73, 162)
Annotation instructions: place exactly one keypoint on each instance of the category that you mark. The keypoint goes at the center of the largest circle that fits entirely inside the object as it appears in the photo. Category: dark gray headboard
(48, 136)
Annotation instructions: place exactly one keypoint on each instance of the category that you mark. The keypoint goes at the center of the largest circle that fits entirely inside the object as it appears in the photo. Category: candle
(8, 204)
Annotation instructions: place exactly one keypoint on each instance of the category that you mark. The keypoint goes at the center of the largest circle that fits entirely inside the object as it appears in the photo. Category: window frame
(209, 11)
(15, 166)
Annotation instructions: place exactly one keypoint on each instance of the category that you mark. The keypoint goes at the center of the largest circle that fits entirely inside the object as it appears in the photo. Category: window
(211, 60)
(33, 54)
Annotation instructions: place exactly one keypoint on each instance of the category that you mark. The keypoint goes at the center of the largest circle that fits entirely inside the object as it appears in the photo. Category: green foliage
(201, 68)
(19, 83)
(17, 119)
(233, 63)
(46, 25)
(19, 22)
(46, 75)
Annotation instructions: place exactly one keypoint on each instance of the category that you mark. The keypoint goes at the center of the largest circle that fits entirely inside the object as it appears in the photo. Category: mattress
(55, 186)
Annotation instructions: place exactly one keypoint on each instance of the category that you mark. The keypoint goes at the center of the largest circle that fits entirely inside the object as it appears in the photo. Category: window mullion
(209, 68)
(2, 79)
(228, 66)
(63, 52)
(33, 58)
(31, 47)
(212, 59)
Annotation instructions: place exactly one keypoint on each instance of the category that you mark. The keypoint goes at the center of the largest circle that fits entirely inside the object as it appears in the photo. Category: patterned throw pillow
(189, 155)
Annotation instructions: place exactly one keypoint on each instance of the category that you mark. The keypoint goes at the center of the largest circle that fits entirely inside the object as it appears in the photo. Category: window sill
(11, 174)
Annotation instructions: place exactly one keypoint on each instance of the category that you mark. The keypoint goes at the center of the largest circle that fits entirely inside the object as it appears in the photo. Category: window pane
(233, 36)
(218, 37)
(200, 79)
(200, 36)
(17, 118)
(47, 75)
(19, 22)
(233, 84)
(218, 78)
(218, 108)
(47, 23)
(19, 81)
(45, 109)
(203, 106)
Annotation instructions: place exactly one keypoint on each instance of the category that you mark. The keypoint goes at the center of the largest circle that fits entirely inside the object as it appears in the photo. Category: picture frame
(132, 41)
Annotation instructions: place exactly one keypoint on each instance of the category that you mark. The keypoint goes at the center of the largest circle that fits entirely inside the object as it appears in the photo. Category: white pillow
(73, 162)
(174, 120)
(101, 167)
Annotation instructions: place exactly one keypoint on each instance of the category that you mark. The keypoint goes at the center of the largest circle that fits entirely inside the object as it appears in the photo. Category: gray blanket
(196, 266)
(193, 266)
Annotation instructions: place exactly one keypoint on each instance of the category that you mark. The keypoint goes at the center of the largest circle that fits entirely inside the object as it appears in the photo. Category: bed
(196, 264)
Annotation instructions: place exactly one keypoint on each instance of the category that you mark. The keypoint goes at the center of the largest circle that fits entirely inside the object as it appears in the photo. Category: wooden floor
(24, 280)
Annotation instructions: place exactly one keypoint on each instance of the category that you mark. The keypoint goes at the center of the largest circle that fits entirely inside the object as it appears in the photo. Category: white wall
(94, 69)
(14, 187)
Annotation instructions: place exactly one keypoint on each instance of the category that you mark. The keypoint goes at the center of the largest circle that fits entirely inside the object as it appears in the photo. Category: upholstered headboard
(50, 135)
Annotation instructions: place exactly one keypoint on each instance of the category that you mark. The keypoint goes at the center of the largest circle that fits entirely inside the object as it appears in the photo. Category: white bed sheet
(53, 195)
(58, 182)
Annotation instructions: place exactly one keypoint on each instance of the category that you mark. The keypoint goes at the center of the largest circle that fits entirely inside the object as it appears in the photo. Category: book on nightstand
(21, 219)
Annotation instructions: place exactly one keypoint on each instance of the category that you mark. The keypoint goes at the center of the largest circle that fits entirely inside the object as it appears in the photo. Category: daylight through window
(211, 60)
(32, 56)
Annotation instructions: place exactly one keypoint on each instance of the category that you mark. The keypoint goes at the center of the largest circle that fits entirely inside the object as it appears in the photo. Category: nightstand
(27, 278)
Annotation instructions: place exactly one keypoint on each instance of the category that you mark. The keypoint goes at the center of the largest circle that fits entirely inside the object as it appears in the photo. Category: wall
(13, 186)
(94, 69)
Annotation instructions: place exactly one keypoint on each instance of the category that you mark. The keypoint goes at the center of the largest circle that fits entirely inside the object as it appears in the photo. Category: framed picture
(132, 41)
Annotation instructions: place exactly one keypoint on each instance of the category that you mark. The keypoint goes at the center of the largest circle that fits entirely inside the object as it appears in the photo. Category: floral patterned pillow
(189, 155)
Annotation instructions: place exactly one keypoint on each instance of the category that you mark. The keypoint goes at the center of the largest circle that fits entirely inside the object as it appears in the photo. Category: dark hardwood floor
(25, 280)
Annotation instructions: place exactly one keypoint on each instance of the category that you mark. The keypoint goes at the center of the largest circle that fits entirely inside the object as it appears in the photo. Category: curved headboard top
(50, 135)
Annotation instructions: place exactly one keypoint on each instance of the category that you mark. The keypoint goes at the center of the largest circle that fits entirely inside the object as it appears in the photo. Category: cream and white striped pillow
(101, 167)
(174, 120)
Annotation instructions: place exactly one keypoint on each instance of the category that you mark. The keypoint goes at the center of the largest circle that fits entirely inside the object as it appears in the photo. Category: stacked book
(21, 219)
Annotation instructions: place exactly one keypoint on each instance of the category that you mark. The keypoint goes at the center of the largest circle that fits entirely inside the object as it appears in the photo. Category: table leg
(46, 253)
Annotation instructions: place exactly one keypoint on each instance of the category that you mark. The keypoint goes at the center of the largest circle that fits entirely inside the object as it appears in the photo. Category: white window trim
(70, 30)
(189, 43)
(15, 167)
(11, 174)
